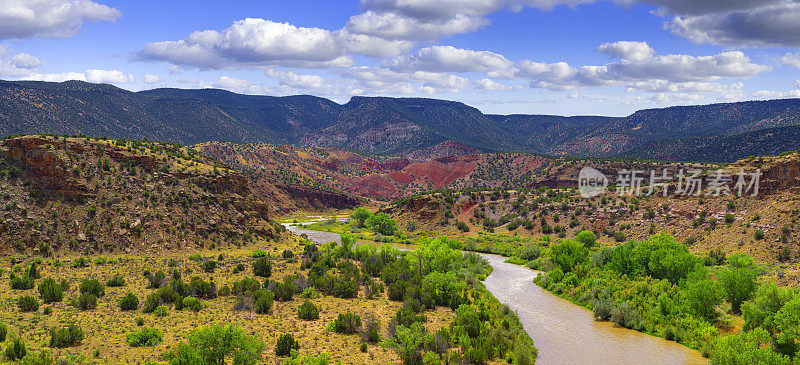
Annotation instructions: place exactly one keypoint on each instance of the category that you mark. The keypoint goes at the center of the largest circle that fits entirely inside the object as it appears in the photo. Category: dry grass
(105, 327)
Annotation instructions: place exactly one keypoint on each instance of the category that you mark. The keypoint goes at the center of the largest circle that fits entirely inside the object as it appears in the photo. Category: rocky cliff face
(94, 195)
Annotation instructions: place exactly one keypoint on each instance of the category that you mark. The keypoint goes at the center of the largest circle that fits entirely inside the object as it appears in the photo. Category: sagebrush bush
(347, 323)
(262, 301)
(192, 303)
(87, 301)
(145, 337)
(151, 303)
(210, 266)
(116, 280)
(69, 336)
(371, 330)
(308, 311)
(161, 311)
(16, 350)
(21, 282)
(286, 343)
(92, 286)
(50, 291)
(262, 267)
(27, 303)
(129, 302)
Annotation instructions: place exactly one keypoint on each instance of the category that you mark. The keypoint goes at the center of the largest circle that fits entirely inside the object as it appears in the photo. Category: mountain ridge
(371, 125)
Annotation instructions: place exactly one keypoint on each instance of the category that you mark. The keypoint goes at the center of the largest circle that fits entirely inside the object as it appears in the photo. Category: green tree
(787, 326)
(738, 284)
(407, 342)
(587, 238)
(750, 347)
(383, 224)
(703, 296)
(361, 215)
(217, 345)
(569, 253)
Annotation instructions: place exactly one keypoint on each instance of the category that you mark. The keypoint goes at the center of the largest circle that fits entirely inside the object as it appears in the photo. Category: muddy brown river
(563, 332)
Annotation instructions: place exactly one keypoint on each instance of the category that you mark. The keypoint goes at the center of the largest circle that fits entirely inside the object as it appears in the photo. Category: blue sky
(566, 57)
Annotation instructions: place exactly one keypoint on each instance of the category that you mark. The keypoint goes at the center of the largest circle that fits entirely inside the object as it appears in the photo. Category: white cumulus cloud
(50, 18)
(634, 51)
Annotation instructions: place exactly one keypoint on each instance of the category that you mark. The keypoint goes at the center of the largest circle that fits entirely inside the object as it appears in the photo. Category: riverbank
(563, 332)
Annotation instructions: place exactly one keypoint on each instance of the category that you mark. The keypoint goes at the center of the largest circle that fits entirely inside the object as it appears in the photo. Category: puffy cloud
(634, 51)
(25, 61)
(151, 79)
(562, 76)
(694, 7)
(791, 59)
(234, 85)
(256, 42)
(297, 81)
(94, 75)
(759, 24)
(688, 68)
(770, 94)
(55, 77)
(661, 71)
(432, 19)
(253, 42)
(108, 76)
(16, 65)
(383, 80)
(676, 98)
(688, 86)
(451, 59)
(49, 18)
(491, 85)
(397, 26)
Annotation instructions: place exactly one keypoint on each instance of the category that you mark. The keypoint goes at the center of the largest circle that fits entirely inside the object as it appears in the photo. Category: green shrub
(16, 350)
(21, 282)
(347, 323)
(92, 286)
(148, 337)
(262, 267)
(463, 227)
(50, 291)
(372, 330)
(215, 344)
(151, 303)
(308, 311)
(87, 301)
(129, 302)
(139, 321)
(116, 280)
(262, 301)
(192, 303)
(69, 336)
(161, 311)
(210, 266)
(32, 271)
(758, 235)
(286, 343)
(80, 262)
(3, 332)
(27, 303)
